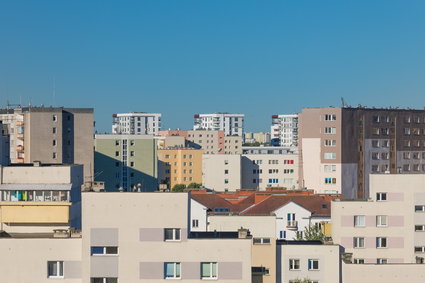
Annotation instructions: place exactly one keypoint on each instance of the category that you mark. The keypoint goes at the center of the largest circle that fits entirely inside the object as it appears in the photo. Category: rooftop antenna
(343, 103)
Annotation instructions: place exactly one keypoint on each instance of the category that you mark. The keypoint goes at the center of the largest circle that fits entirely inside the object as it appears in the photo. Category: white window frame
(176, 266)
(356, 243)
(358, 261)
(381, 261)
(58, 269)
(357, 222)
(421, 229)
(212, 276)
(176, 237)
(261, 241)
(104, 251)
(422, 249)
(292, 264)
(103, 279)
(421, 208)
(380, 242)
(195, 223)
(379, 221)
(311, 262)
(380, 195)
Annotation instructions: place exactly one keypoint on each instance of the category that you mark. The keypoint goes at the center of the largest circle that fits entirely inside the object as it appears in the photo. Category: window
(375, 143)
(381, 196)
(330, 168)
(195, 223)
(117, 142)
(358, 261)
(104, 251)
(209, 270)
(419, 208)
(359, 221)
(420, 228)
(55, 269)
(172, 270)
(313, 264)
(131, 142)
(358, 242)
(261, 241)
(226, 171)
(294, 264)
(330, 180)
(330, 142)
(131, 153)
(54, 130)
(420, 249)
(381, 221)
(330, 117)
(381, 242)
(406, 131)
(330, 155)
(54, 155)
(172, 234)
(117, 153)
(103, 280)
(381, 261)
(330, 130)
(55, 118)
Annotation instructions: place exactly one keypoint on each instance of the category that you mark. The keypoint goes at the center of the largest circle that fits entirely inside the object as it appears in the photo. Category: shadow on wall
(110, 171)
(251, 169)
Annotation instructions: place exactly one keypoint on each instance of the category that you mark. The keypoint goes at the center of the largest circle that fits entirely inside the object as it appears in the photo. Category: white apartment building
(221, 172)
(389, 227)
(267, 167)
(136, 123)
(285, 128)
(231, 124)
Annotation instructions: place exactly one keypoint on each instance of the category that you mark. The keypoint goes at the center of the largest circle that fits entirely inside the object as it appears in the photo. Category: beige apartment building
(341, 147)
(211, 141)
(389, 227)
(156, 247)
(179, 166)
(263, 231)
(54, 135)
(221, 172)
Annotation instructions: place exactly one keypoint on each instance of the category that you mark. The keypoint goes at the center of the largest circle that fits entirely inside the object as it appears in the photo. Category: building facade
(40, 198)
(136, 123)
(389, 226)
(285, 128)
(126, 162)
(221, 172)
(4, 147)
(180, 166)
(341, 147)
(268, 167)
(231, 124)
(53, 135)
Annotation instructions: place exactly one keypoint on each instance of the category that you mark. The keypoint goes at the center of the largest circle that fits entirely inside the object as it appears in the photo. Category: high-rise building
(341, 147)
(231, 124)
(136, 123)
(54, 135)
(285, 128)
(4, 147)
(127, 162)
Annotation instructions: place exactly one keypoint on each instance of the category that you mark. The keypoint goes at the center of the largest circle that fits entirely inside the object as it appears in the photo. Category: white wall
(198, 212)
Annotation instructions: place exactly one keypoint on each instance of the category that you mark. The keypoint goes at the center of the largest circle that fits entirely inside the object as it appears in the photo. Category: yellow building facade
(180, 166)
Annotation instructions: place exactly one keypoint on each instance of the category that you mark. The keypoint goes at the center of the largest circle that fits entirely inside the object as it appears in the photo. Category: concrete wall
(25, 260)
(221, 172)
(329, 262)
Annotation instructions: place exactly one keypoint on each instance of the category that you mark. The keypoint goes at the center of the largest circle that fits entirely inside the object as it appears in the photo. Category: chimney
(243, 233)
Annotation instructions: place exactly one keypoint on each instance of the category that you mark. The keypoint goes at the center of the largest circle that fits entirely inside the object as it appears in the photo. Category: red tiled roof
(313, 203)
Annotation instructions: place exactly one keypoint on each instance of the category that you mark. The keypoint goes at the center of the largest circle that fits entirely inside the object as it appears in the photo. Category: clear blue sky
(184, 57)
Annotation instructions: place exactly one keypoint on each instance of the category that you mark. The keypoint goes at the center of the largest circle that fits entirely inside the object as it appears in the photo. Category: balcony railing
(292, 224)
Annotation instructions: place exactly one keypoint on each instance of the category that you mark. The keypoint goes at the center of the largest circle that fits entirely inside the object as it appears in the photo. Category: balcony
(19, 123)
(35, 212)
(20, 148)
(292, 224)
(20, 136)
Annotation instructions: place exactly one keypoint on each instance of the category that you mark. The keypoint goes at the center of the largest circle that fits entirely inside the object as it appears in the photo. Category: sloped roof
(316, 204)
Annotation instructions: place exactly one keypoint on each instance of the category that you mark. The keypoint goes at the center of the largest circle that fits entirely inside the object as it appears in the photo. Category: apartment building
(308, 260)
(285, 128)
(126, 162)
(260, 137)
(55, 135)
(231, 124)
(39, 198)
(136, 123)
(158, 246)
(386, 228)
(221, 172)
(268, 167)
(341, 147)
(180, 166)
(211, 141)
(4, 148)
